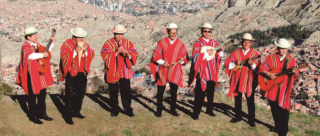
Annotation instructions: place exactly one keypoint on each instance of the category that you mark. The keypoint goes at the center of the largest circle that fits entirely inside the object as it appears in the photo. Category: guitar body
(43, 63)
(266, 84)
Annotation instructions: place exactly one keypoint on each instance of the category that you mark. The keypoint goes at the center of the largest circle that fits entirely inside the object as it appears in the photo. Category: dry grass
(13, 121)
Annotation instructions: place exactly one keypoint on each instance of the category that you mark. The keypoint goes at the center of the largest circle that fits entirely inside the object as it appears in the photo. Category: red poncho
(281, 92)
(38, 81)
(242, 77)
(117, 66)
(206, 70)
(70, 64)
(170, 53)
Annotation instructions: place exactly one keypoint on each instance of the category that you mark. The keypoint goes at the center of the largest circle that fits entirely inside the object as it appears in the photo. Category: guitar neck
(284, 72)
(48, 45)
(288, 71)
(245, 61)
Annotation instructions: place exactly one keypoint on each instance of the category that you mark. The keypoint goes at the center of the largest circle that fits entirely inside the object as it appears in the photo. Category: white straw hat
(30, 31)
(172, 26)
(119, 29)
(282, 43)
(78, 32)
(248, 36)
(206, 26)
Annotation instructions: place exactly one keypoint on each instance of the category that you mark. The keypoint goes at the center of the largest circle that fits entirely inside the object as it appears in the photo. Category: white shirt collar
(245, 51)
(207, 40)
(173, 40)
(281, 57)
(33, 44)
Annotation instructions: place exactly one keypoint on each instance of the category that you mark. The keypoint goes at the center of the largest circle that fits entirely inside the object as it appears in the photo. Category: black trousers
(199, 96)
(75, 91)
(36, 109)
(124, 85)
(173, 90)
(250, 103)
(280, 117)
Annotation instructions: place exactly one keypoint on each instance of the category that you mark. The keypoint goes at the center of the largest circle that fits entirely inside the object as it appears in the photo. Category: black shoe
(130, 114)
(211, 113)
(158, 114)
(114, 114)
(36, 120)
(175, 113)
(195, 117)
(235, 120)
(69, 121)
(282, 133)
(46, 117)
(252, 124)
(78, 115)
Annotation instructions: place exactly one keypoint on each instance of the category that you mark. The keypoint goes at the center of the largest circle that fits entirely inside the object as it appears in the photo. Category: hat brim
(76, 35)
(202, 27)
(119, 32)
(31, 33)
(172, 28)
(283, 47)
(252, 40)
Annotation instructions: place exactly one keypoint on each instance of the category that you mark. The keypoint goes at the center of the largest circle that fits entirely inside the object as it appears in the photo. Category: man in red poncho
(74, 69)
(279, 95)
(243, 80)
(166, 64)
(119, 56)
(28, 77)
(205, 68)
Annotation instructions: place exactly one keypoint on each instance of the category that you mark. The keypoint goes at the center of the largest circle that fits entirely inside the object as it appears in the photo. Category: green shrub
(5, 89)
(313, 132)
(127, 133)
(265, 38)
(302, 95)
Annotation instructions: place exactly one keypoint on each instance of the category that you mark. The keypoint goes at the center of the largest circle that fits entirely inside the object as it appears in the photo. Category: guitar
(266, 83)
(244, 62)
(44, 63)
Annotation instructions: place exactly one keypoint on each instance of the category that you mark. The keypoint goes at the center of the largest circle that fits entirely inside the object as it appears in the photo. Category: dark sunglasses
(206, 31)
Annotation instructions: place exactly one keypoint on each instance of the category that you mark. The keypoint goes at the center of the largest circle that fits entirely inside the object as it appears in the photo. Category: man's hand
(210, 52)
(166, 64)
(85, 46)
(295, 71)
(53, 39)
(238, 62)
(120, 49)
(125, 52)
(222, 48)
(78, 48)
(271, 75)
(45, 54)
(250, 62)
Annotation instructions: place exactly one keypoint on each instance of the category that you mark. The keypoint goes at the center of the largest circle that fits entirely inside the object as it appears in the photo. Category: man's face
(282, 51)
(78, 39)
(246, 44)
(33, 38)
(118, 37)
(206, 33)
(173, 34)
